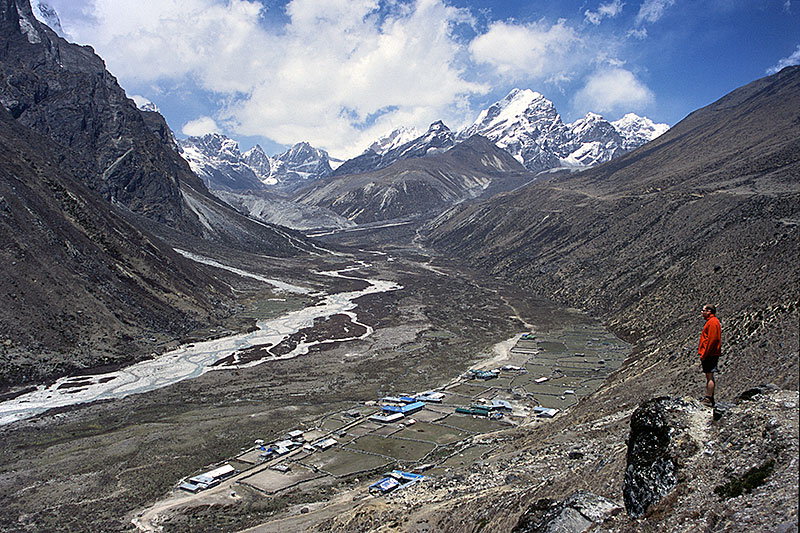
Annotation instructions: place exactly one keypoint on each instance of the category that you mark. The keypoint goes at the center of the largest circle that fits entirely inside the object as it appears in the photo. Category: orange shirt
(710, 339)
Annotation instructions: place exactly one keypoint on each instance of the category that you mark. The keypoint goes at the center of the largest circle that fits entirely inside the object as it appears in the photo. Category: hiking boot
(708, 401)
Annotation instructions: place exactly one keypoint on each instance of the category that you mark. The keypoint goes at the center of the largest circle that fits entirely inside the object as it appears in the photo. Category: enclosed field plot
(469, 390)
(272, 481)
(335, 422)
(431, 413)
(400, 449)
(550, 346)
(341, 462)
(251, 457)
(502, 382)
(387, 429)
(364, 428)
(473, 424)
(433, 432)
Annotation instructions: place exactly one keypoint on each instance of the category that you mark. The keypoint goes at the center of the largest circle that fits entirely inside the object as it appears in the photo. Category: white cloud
(793, 59)
(140, 100)
(199, 127)
(526, 51)
(610, 9)
(612, 90)
(335, 74)
(652, 10)
(638, 33)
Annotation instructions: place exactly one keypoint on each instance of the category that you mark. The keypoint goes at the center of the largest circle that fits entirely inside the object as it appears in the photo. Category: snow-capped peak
(636, 130)
(393, 139)
(520, 108)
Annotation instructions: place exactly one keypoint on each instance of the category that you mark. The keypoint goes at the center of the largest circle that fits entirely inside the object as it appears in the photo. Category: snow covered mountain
(392, 148)
(45, 13)
(299, 165)
(527, 125)
(636, 130)
(395, 138)
(218, 161)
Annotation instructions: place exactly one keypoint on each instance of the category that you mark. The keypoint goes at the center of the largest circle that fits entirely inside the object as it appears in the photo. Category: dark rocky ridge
(82, 284)
(64, 92)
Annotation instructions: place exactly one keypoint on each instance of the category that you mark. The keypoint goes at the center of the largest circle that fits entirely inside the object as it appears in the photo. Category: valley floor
(97, 465)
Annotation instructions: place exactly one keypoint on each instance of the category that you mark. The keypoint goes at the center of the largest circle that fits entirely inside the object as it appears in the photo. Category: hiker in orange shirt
(710, 350)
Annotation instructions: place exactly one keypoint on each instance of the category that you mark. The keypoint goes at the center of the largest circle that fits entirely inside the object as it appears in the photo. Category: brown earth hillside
(708, 213)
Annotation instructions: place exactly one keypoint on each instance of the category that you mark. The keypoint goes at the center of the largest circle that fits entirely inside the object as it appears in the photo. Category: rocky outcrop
(651, 472)
(580, 512)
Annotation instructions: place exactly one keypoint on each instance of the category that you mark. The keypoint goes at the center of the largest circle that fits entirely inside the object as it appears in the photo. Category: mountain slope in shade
(81, 285)
(273, 208)
(63, 91)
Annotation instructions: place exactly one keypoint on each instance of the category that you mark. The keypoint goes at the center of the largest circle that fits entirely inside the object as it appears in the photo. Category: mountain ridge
(64, 91)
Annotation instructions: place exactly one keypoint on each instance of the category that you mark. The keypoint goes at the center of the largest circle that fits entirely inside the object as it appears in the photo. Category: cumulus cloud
(793, 59)
(526, 51)
(611, 90)
(200, 126)
(610, 9)
(336, 73)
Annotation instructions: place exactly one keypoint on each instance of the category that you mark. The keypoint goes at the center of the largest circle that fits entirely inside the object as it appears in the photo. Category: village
(396, 441)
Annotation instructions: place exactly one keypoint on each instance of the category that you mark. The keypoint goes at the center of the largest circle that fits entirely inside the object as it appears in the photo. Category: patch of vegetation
(748, 481)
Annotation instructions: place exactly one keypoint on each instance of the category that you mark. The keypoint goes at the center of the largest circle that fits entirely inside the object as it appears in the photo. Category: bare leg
(710, 384)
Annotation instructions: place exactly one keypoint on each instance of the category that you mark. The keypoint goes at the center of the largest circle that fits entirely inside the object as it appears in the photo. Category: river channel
(192, 360)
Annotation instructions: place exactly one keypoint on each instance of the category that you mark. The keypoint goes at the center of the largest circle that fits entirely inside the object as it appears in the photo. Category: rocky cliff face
(64, 92)
(82, 285)
(91, 189)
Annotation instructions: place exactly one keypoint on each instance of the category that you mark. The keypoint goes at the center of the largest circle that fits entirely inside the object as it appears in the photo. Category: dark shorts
(709, 364)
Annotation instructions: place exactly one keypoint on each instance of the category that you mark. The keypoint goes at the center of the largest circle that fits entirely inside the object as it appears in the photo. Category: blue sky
(341, 73)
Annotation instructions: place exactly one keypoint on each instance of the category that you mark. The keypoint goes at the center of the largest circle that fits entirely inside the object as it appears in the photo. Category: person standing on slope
(710, 350)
